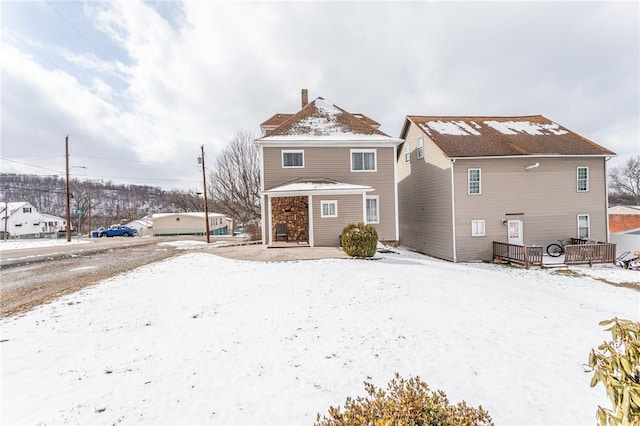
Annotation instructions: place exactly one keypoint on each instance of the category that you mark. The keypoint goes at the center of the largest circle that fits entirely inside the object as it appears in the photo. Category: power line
(31, 48)
(77, 30)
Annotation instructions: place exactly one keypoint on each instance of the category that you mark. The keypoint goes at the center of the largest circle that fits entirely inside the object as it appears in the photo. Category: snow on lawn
(37, 243)
(200, 339)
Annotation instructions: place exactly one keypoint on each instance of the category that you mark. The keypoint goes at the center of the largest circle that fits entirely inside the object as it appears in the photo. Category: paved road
(37, 275)
(34, 276)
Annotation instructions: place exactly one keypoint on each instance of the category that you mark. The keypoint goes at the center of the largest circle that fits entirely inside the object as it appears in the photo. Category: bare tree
(185, 201)
(235, 180)
(624, 183)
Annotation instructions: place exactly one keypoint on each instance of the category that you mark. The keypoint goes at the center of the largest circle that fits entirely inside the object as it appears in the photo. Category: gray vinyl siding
(335, 163)
(545, 198)
(424, 199)
(326, 230)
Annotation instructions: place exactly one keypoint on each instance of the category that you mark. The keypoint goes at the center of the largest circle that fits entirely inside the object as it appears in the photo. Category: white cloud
(179, 75)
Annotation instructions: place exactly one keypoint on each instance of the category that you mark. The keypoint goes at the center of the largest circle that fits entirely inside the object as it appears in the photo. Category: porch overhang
(316, 187)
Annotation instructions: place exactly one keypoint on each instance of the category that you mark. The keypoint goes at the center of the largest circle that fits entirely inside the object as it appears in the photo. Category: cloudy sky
(140, 86)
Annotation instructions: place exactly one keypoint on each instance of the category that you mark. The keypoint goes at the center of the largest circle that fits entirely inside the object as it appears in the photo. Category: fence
(527, 255)
(578, 252)
(589, 252)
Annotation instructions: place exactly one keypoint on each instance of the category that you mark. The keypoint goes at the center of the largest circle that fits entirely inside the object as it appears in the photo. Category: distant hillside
(103, 203)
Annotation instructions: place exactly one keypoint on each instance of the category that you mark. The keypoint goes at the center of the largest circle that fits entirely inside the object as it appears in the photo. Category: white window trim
(328, 202)
(292, 151)
(588, 225)
(370, 197)
(475, 229)
(407, 152)
(358, 151)
(420, 147)
(578, 179)
(479, 181)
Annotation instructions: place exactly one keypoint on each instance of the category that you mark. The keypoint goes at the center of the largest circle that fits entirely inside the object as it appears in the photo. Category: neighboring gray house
(464, 182)
(321, 169)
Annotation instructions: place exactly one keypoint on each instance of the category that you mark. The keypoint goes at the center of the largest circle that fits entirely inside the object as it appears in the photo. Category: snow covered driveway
(201, 339)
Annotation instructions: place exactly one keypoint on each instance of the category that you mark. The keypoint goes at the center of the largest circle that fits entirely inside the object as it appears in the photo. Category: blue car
(115, 231)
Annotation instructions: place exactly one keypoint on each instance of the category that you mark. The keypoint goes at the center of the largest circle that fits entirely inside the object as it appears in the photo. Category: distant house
(464, 182)
(321, 169)
(624, 218)
(22, 220)
(144, 226)
(166, 224)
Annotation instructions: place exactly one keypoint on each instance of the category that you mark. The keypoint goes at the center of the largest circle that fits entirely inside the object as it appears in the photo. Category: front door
(514, 232)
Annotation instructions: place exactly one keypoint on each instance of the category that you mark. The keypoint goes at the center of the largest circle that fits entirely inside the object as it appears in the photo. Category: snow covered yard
(201, 339)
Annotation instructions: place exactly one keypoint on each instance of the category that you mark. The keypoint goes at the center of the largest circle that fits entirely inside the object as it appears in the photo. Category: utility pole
(66, 145)
(206, 204)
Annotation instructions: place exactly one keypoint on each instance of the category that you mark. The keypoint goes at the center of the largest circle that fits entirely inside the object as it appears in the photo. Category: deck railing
(580, 251)
(589, 252)
(526, 255)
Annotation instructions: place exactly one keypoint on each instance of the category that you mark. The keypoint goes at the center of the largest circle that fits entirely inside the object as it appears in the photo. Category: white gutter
(492, 157)
(453, 212)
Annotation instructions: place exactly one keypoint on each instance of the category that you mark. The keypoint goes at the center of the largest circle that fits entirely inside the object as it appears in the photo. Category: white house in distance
(21, 220)
(191, 223)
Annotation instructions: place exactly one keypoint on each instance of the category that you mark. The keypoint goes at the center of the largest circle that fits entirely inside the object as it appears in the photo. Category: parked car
(115, 231)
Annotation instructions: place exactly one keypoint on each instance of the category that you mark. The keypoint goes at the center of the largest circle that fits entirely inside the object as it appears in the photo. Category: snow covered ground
(35, 243)
(200, 339)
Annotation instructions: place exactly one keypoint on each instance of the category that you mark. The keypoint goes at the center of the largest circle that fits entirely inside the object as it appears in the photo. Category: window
(363, 160)
(474, 181)
(583, 226)
(26, 210)
(329, 208)
(583, 179)
(293, 158)
(420, 149)
(407, 152)
(372, 209)
(477, 228)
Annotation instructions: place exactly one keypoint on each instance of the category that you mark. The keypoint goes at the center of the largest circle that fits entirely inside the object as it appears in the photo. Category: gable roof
(322, 120)
(503, 136)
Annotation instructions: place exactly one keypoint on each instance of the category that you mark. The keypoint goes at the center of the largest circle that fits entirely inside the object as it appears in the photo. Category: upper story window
(583, 179)
(293, 158)
(329, 208)
(475, 186)
(363, 160)
(407, 152)
(420, 148)
(26, 210)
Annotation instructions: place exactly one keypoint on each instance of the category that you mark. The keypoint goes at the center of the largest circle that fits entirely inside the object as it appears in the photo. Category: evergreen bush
(359, 240)
(405, 402)
(616, 365)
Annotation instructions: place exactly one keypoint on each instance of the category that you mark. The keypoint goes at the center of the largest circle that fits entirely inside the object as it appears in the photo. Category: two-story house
(21, 219)
(464, 182)
(323, 168)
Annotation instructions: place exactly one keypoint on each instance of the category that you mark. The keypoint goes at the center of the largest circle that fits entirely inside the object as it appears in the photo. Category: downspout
(606, 195)
(453, 212)
(395, 190)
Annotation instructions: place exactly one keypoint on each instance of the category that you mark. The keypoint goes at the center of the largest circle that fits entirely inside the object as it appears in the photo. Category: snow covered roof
(503, 136)
(624, 210)
(191, 214)
(306, 185)
(322, 120)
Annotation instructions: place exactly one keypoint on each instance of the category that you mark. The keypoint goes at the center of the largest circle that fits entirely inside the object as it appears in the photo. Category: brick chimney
(305, 97)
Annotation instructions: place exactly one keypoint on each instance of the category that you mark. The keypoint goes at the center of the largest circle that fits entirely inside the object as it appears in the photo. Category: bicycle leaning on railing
(555, 249)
